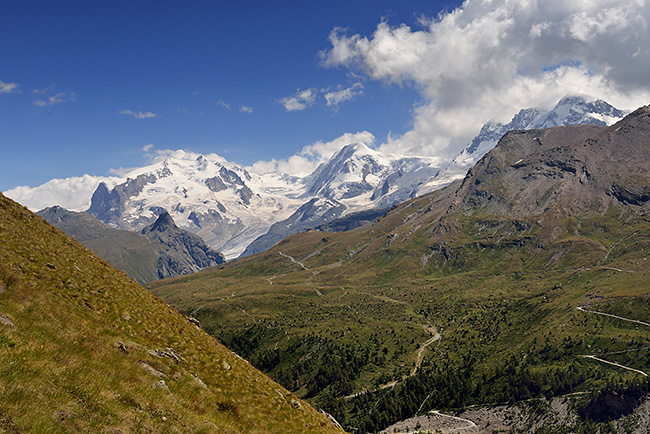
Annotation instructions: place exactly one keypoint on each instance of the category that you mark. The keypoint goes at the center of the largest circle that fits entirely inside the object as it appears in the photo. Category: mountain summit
(579, 170)
(181, 252)
(571, 110)
(221, 202)
(230, 206)
(164, 223)
(160, 250)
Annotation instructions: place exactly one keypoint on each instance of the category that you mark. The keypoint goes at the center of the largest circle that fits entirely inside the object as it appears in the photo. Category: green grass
(503, 293)
(85, 346)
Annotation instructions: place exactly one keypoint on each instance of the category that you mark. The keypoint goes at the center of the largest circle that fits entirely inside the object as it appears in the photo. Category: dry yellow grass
(85, 349)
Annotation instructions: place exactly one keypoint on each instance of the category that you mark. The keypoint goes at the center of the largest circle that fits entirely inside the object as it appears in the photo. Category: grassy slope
(78, 343)
(128, 251)
(502, 293)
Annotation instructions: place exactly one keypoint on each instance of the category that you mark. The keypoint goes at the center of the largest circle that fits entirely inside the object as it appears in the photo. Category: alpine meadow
(526, 284)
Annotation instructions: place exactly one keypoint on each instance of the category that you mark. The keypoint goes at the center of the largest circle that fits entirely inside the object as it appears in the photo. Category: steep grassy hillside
(85, 349)
(530, 279)
(160, 250)
(128, 251)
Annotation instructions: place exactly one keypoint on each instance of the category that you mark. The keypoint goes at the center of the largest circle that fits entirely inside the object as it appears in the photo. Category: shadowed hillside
(160, 250)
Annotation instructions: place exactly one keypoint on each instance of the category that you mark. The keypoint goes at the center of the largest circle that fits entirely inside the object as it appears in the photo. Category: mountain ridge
(570, 110)
(510, 285)
(163, 251)
(229, 206)
(586, 172)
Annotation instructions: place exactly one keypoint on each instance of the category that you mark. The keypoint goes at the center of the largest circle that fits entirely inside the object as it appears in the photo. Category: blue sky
(90, 87)
(213, 73)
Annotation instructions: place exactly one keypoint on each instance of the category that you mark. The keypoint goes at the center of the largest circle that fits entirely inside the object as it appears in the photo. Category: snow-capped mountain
(313, 213)
(220, 201)
(361, 178)
(355, 179)
(230, 207)
(572, 110)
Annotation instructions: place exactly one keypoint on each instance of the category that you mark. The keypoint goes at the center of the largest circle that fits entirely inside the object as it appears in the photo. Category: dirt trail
(616, 364)
(294, 261)
(418, 361)
(436, 337)
(582, 309)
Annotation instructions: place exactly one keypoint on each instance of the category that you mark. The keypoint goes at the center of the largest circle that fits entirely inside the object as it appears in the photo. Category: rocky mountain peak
(576, 170)
(577, 110)
(570, 110)
(164, 223)
(182, 252)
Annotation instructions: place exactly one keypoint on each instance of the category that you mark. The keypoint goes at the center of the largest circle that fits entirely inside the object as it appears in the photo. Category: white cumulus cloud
(71, 193)
(487, 59)
(8, 87)
(138, 114)
(307, 160)
(340, 95)
(300, 100)
(333, 96)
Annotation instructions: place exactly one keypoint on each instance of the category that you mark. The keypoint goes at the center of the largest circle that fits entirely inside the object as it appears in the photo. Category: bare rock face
(109, 205)
(182, 252)
(576, 170)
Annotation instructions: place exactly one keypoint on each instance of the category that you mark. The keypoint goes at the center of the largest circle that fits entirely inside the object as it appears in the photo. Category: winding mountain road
(615, 364)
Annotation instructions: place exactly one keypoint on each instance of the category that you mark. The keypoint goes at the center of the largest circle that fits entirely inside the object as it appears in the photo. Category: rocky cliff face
(576, 170)
(181, 252)
(110, 205)
(573, 110)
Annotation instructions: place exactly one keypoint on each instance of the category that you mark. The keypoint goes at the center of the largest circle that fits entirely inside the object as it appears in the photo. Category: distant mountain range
(221, 202)
(359, 178)
(238, 212)
(160, 250)
(230, 207)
